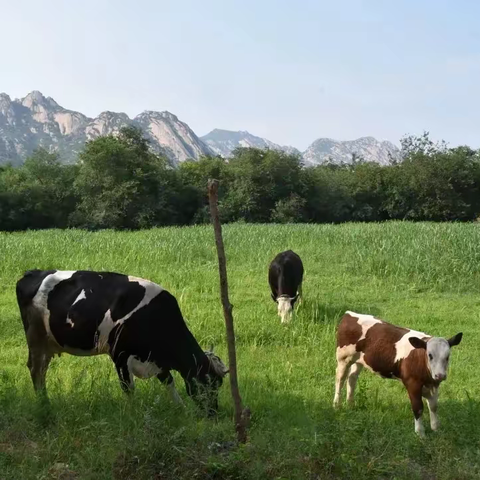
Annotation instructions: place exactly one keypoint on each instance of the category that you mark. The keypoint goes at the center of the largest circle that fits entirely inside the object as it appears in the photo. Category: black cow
(135, 321)
(285, 276)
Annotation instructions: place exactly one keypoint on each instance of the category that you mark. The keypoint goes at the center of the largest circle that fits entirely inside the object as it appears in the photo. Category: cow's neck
(192, 362)
(416, 365)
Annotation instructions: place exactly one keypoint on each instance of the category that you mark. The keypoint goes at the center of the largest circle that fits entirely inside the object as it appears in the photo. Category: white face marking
(285, 309)
(365, 321)
(142, 370)
(403, 347)
(41, 297)
(438, 356)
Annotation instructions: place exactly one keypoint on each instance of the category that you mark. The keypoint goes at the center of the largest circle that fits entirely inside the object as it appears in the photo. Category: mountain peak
(154, 114)
(224, 142)
(369, 148)
(175, 136)
(110, 114)
(36, 97)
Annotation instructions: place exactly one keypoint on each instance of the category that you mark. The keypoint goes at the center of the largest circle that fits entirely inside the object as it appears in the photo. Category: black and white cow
(285, 276)
(135, 321)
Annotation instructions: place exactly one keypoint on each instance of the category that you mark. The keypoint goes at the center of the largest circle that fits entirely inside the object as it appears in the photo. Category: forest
(119, 183)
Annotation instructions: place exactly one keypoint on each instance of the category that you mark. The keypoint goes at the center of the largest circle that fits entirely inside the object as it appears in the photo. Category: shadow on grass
(318, 312)
(103, 434)
(326, 313)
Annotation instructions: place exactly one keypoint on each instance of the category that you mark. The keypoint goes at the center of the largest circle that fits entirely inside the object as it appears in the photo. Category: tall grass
(425, 276)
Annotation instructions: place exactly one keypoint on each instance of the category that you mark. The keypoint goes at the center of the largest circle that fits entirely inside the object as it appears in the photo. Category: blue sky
(288, 71)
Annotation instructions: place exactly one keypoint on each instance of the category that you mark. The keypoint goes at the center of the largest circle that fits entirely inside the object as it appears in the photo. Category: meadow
(425, 276)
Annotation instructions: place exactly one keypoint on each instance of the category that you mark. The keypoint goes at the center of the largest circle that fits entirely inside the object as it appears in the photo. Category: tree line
(118, 182)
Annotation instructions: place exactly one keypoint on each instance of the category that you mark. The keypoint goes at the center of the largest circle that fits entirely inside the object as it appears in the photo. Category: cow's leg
(38, 361)
(345, 357)
(414, 390)
(432, 402)
(341, 374)
(167, 379)
(300, 295)
(124, 374)
(353, 374)
(39, 353)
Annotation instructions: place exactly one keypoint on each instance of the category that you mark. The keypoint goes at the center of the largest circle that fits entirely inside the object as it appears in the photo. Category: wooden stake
(242, 416)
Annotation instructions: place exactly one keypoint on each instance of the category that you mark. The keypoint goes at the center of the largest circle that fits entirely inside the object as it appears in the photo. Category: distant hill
(223, 142)
(38, 121)
(367, 148)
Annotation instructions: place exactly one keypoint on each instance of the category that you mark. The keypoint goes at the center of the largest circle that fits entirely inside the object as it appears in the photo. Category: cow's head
(285, 307)
(204, 389)
(438, 353)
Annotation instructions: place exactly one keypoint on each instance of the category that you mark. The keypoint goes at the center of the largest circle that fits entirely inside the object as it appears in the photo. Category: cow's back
(27, 287)
(381, 346)
(286, 272)
(80, 309)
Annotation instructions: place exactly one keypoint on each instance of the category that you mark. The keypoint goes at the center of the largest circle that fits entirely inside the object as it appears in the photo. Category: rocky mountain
(38, 121)
(224, 142)
(368, 148)
(175, 137)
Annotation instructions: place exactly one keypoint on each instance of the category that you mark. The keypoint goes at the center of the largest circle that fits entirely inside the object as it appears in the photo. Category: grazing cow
(285, 276)
(135, 321)
(419, 360)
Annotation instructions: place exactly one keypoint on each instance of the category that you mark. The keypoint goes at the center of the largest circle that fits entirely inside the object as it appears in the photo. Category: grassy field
(425, 276)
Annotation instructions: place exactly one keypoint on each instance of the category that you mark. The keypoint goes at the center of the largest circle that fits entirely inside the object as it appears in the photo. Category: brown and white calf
(419, 360)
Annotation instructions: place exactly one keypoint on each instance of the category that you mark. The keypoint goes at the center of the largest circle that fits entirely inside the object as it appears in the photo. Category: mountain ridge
(38, 121)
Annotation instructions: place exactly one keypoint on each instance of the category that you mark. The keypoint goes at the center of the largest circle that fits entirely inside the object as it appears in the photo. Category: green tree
(436, 184)
(194, 176)
(38, 194)
(259, 179)
(122, 184)
(289, 210)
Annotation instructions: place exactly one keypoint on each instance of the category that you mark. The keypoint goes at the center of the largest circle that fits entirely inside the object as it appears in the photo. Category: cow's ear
(418, 342)
(455, 340)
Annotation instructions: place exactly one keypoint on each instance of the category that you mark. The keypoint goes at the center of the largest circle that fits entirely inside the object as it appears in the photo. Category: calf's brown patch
(378, 348)
(414, 367)
(349, 331)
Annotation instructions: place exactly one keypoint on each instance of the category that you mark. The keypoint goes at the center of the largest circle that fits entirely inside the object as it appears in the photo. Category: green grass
(425, 276)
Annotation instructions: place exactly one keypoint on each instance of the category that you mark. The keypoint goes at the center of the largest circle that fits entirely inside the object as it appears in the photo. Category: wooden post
(242, 416)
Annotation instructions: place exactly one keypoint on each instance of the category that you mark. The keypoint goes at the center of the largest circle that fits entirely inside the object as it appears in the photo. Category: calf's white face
(438, 354)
